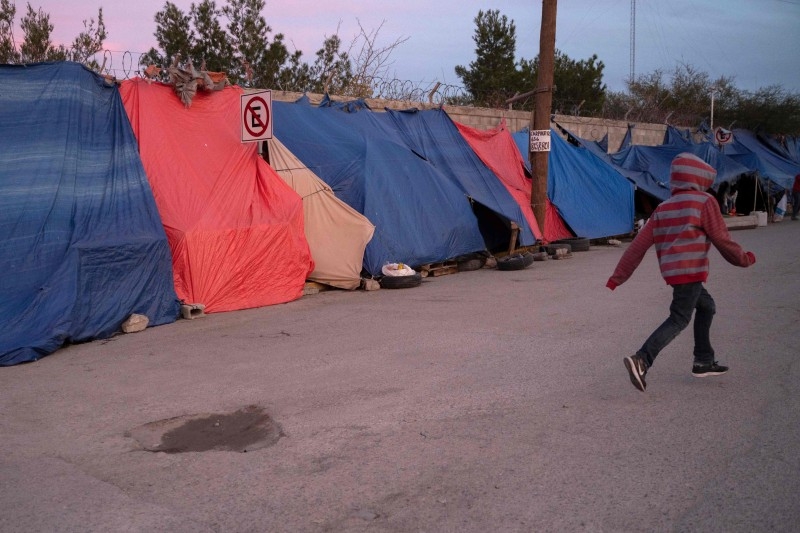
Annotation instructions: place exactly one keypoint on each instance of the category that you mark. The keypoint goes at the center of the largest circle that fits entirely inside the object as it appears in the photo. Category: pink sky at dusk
(755, 42)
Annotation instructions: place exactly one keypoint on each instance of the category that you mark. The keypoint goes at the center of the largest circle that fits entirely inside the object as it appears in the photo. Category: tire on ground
(578, 244)
(515, 262)
(401, 282)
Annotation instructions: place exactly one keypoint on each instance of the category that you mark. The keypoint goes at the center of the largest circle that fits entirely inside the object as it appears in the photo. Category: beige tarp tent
(336, 233)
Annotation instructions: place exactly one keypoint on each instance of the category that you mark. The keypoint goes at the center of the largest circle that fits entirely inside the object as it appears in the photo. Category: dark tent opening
(751, 195)
(644, 203)
(495, 229)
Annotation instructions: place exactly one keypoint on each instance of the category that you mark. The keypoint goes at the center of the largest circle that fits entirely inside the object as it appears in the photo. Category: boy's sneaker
(711, 369)
(637, 368)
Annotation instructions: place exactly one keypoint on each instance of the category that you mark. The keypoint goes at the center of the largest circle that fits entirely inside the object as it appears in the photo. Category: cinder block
(135, 323)
(370, 284)
(192, 311)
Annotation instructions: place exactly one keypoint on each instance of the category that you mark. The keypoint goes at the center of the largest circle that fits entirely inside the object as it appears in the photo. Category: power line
(633, 40)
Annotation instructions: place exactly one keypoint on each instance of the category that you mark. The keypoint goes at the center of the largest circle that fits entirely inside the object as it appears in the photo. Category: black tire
(540, 256)
(401, 282)
(514, 262)
(551, 248)
(578, 244)
(527, 259)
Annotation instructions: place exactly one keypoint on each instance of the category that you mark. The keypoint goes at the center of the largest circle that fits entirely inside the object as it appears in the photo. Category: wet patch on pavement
(247, 429)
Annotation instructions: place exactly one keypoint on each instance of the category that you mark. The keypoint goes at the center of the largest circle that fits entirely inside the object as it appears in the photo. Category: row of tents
(775, 161)
(118, 199)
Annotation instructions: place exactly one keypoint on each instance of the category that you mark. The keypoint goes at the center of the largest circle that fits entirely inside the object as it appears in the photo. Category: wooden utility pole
(540, 119)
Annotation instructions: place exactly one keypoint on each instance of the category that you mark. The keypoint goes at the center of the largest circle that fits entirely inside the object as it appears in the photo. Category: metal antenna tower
(633, 40)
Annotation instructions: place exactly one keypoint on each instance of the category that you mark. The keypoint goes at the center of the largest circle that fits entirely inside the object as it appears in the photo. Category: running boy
(682, 229)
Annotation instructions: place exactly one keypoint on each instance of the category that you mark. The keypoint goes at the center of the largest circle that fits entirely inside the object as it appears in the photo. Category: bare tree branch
(371, 61)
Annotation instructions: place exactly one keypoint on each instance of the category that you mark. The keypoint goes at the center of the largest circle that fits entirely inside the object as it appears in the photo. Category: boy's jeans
(686, 298)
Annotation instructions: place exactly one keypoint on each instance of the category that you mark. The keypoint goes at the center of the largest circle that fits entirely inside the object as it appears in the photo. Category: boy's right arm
(632, 257)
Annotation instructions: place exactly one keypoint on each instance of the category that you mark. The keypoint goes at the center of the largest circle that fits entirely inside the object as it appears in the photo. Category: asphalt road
(480, 401)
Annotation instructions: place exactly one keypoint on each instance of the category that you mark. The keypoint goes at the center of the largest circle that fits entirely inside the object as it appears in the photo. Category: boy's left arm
(717, 231)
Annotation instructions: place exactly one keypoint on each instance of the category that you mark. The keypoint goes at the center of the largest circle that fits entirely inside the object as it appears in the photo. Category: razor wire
(121, 65)
(423, 92)
(124, 65)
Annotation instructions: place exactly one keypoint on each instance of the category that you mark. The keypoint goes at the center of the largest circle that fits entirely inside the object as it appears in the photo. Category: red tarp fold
(234, 227)
(498, 151)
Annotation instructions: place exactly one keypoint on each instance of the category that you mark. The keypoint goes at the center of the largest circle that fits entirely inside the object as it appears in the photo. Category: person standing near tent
(723, 195)
(796, 197)
(727, 198)
(682, 229)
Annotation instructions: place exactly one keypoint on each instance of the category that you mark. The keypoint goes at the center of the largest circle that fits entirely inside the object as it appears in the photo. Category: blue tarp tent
(592, 198)
(420, 216)
(656, 160)
(642, 179)
(792, 148)
(602, 144)
(81, 242)
(785, 146)
(674, 136)
(747, 149)
(628, 139)
(433, 136)
(648, 166)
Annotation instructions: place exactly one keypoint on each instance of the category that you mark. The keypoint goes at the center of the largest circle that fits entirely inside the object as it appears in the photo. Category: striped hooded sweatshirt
(683, 228)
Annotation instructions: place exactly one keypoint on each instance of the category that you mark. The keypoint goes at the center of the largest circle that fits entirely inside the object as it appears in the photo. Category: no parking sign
(723, 136)
(256, 116)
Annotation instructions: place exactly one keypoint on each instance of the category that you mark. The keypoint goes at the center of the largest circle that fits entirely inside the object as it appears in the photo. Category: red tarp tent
(498, 151)
(234, 226)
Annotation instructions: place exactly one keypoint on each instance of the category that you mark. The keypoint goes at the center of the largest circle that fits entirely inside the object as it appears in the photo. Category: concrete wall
(485, 118)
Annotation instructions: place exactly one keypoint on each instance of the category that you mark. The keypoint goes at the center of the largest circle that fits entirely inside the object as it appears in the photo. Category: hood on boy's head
(690, 172)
